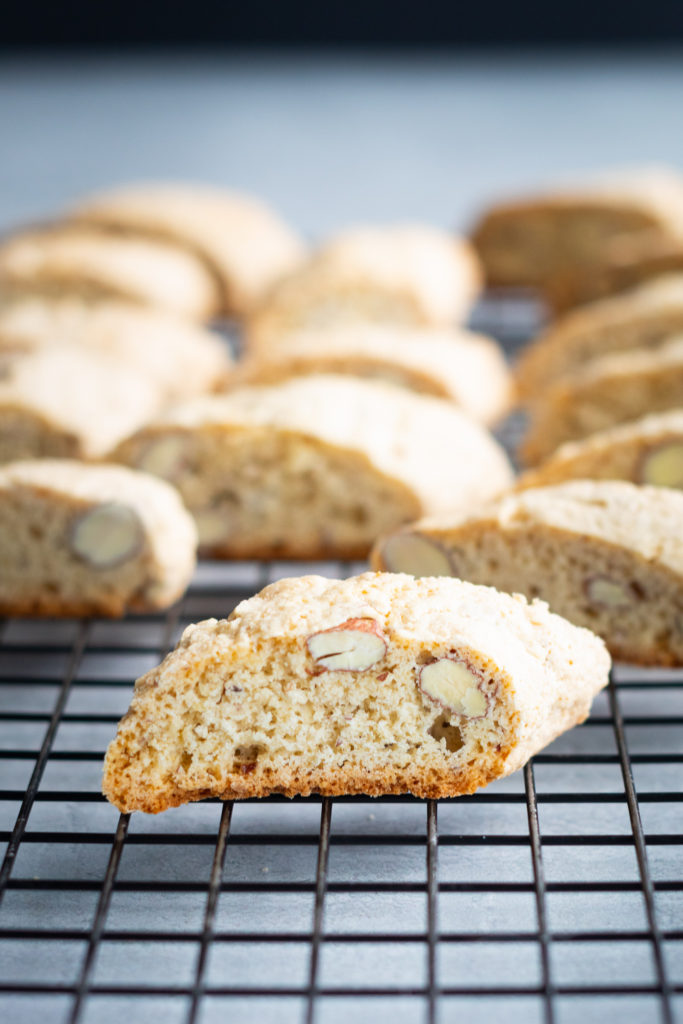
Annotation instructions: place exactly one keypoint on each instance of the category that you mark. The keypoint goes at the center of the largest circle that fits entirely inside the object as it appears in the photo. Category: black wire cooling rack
(552, 896)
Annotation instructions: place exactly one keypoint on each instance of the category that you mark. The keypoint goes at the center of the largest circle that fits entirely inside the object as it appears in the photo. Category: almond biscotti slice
(245, 243)
(610, 390)
(181, 358)
(647, 451)
(412, 275)
(469, 369)
(375, 684)
(604, 554)
(66, 260)
(533, 241)
(316, 466)
(90, 540)
(642, 318)
(67, 402)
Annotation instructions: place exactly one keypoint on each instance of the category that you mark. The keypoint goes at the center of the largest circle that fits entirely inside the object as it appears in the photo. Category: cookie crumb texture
(90, 540)
(377, 684)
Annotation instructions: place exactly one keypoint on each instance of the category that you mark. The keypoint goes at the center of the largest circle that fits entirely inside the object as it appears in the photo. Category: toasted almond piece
(663, 465)
(164, 457)
(453, 685)
(107, 535)
(416, 555)
(604, 592)
(352, 646)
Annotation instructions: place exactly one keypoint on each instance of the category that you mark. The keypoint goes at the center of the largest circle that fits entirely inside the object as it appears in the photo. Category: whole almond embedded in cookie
(455, 686)
(605, 592)
(663, 465)
(353, 646)
(416, 555)
(107, 536)
(164, 457)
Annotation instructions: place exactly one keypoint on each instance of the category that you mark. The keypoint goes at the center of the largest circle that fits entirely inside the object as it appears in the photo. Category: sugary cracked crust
(43, 572)
(65, 259)
(246, 245)
(541, 674)
(556, 539)
(641, 318)
(469, 369)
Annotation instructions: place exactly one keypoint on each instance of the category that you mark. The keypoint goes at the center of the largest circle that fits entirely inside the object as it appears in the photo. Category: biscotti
(604, 554)
(608, 391)
(469, 369)
(642, 318)
(181, 358)
(67, 402)
(246, 245)
(90, 540)
(646, 451)
(317, 466)
(61, 260)
(376, 684)
(411, 275)
(534, 241)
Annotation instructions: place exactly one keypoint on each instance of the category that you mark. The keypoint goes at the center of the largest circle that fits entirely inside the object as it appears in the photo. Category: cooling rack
(553, 896)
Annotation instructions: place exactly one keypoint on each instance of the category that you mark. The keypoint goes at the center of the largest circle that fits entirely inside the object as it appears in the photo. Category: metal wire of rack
(552, 896)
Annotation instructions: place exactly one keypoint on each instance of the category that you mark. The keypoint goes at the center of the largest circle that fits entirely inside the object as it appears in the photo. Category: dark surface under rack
(554, 895)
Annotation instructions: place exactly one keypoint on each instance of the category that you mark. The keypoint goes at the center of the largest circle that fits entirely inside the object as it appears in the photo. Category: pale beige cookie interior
(469, 369)
(316, 466)
(182, 358)
(90, 540)
(642, 318)
(375, 684)
(69, 402)
(64, 260)
(412, 275)
(609, 390)
(605, 554)
(245, 243)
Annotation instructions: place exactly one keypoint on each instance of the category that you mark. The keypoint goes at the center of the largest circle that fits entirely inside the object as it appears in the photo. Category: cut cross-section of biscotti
(245, 243)
(181, 358)
(605, 554)
(647, 451)
(642, 318)
(69, 402)
(610, 390)
(412, 275)
(375, 684)
(534, 241)
(317, 466)
(66, 260)
(90, 540)
(469, 369)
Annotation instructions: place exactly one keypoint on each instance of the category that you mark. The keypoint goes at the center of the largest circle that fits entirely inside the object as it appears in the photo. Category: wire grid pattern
(552, 896)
